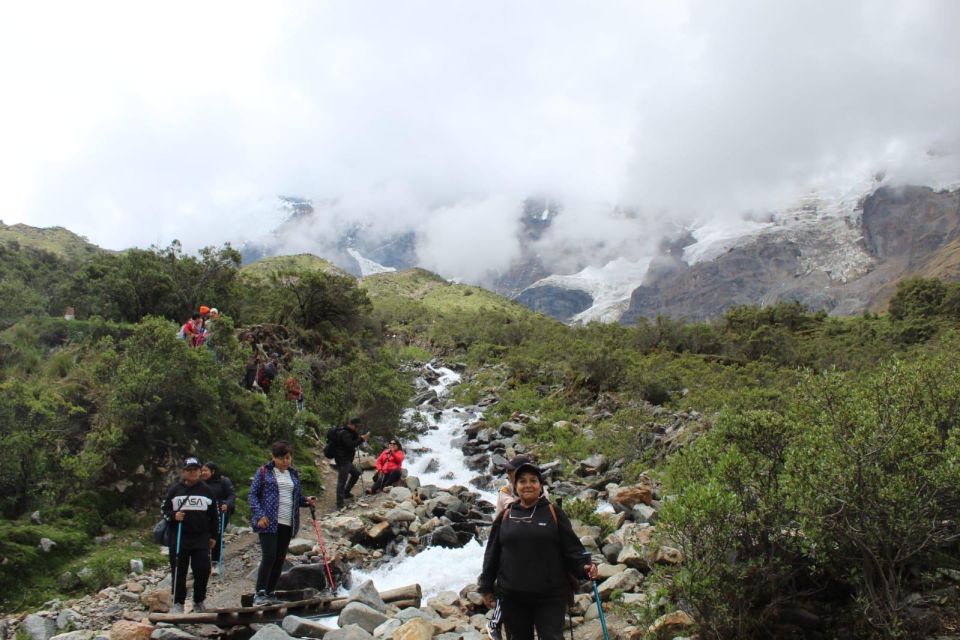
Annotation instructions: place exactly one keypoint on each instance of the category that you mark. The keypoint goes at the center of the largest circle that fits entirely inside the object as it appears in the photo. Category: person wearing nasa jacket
(191, 507)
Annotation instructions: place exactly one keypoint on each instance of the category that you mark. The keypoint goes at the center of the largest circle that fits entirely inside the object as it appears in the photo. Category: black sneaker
(261, 599)
(493, 630)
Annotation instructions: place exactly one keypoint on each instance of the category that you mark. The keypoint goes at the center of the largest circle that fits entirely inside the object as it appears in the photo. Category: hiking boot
(215, 569)
(177, 608)
(493, 630)
(261, 599)
(200, 607)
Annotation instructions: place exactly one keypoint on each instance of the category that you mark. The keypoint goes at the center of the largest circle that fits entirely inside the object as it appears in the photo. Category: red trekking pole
(323, 547)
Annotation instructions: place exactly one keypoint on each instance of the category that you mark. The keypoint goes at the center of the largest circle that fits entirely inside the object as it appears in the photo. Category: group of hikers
(198, 507)
(531, 565)
(197, 329)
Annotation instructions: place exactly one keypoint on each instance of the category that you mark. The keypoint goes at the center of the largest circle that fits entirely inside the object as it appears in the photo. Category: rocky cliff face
(843, 265)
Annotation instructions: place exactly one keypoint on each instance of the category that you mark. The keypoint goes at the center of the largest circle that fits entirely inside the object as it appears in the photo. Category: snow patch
(368, 267)
(610, 287)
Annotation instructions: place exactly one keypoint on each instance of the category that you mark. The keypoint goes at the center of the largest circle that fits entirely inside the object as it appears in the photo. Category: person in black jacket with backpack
(531, 554)
(226, 501)
(191, 509)
(345, 443)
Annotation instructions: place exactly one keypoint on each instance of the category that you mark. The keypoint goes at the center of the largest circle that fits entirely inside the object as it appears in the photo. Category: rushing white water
(436, 569)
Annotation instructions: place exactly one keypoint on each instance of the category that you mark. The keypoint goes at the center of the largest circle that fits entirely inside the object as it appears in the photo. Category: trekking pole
(603, 619)
(176, 561)
(223, 517)
(323, 547)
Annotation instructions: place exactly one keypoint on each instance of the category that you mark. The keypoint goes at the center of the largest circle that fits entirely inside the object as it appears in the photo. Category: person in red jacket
(389, 467)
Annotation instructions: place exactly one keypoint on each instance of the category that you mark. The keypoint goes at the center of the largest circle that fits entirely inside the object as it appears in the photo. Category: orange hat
(204, 310)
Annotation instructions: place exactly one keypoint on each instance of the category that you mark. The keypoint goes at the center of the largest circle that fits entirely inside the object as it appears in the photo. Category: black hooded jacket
(529, 555)
(201, 521)
(224, 492)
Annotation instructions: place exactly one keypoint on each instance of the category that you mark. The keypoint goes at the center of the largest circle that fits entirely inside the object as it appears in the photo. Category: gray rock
(302, 628)
(412, 612)
(104, 539)
(644, 513)
(400, 493)
(357, 613)
(68, 617)
(427, 492)
(270, 632)
(628, 580)
(366, 593)
(511, 428)
(38, 627)
(171, 633)
(46, 544)
(349, 632)
(498, 463)
(412, 482)
(35, 518)
(299, 546)
(395, 516)
(445, 536)
(303, 576)
(387, 628)
(80, 634)
(136, 565)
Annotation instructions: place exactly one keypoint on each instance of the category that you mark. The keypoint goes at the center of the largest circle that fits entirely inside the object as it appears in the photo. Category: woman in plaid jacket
(275, 501)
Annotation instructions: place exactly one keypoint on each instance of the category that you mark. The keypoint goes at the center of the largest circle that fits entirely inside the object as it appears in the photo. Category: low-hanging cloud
(134, 126)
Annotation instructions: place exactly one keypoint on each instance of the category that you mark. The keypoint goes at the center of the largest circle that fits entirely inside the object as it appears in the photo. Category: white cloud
(136, 124)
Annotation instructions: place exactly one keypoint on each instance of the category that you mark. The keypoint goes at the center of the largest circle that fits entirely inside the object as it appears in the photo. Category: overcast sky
(136, 123)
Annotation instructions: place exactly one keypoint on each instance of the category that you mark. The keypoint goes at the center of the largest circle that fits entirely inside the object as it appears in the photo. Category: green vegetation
(815, 466)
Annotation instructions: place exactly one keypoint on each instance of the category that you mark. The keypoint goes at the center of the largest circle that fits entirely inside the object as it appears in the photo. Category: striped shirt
(285, 487)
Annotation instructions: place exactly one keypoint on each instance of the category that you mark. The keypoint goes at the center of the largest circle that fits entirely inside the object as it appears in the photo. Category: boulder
(427, 492)
(400, 494)
(644, 513)
(38, 627)
(671, 624)
(445, 603)
(270, 632)
(387, 628)
(625, 498)
(410, 613)
(510, 429)
(365, 617)
(398, 515)
(605, 570)
(349, 632)
(415, 629)
(626, 581)
(299, 546)
(366, 593)
(80, 634)
(302, 628)
(67, 617)
(130, 630)
(171, 633)
(380, 533)
(593, 465)
(46, 544)
(136, 565)
(304, 576)
(349, 527)
(445, 536)
(157, 600)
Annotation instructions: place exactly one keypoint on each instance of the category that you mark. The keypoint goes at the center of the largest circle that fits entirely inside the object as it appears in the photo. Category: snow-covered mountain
(839, 251)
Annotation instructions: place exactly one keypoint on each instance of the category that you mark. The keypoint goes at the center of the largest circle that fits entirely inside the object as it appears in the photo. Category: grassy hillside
(261, 269)
(435, 294)
(56, 240)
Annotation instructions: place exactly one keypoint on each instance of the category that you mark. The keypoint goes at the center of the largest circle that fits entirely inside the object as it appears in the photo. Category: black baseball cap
(516, 461)
(528, 466)
(191, 462)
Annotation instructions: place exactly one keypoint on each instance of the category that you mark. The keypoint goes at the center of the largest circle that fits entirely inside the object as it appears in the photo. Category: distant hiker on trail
(275, 501)
(257, 357)
(389, 467)
(345, 443)
(191, 330)
(531, 553)
(226, 497)
(267, 372)
(208, 323)
(295, 392)
(190, 508)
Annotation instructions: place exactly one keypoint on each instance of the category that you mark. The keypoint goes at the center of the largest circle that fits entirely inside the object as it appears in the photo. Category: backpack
(333, 442)
(160, 531)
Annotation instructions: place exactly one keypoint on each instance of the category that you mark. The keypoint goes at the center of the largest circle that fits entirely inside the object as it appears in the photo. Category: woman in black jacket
(226, 498)
(531, 552)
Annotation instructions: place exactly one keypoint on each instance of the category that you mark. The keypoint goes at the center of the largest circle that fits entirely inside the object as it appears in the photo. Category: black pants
(382, 480)
(199, 559)
(521, 616)
(273, 549)
(347, 476)
(216, 551)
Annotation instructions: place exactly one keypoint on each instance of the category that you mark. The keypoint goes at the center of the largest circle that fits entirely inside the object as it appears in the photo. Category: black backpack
(333, 442)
